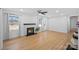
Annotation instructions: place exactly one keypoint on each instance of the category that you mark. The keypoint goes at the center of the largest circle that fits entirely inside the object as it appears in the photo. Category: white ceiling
(51, 11)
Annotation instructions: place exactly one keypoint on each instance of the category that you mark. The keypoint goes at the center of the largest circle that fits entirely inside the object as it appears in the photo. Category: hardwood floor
(48, 40)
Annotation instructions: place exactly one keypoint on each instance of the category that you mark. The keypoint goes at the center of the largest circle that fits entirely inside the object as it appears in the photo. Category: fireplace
(30, 31)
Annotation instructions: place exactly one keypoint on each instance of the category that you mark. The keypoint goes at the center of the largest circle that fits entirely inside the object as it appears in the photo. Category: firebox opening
(30, 31)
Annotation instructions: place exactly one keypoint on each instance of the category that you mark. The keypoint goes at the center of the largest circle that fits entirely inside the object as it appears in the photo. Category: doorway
(42, 22)
(14, 26)
(73, 23)
(11, 26)
(73, 33)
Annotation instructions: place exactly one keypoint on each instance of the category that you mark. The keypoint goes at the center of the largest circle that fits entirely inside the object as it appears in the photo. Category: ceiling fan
(42, 12)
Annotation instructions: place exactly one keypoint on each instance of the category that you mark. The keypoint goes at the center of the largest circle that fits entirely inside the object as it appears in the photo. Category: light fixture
(21, 10)
(40, 14)
(40, 25)
(57, 11)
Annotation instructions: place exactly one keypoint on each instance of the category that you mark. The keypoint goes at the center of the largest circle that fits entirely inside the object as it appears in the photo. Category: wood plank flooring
(48, 40)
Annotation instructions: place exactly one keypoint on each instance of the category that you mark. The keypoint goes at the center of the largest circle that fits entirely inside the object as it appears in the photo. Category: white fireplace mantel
(27, 26)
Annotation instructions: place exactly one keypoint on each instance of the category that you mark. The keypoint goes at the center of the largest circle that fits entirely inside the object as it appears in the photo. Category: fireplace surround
(30, 31)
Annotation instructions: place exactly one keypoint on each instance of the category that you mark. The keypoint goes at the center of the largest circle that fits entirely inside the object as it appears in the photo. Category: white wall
(1, 30)
(68, 23)
(25, 19)
(58, 24)
(5, 26)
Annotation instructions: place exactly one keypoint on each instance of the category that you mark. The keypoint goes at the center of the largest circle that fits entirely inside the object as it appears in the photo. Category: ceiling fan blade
(42, 12)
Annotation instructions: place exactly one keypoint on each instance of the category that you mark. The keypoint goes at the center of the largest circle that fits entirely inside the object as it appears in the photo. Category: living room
(37, 28)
